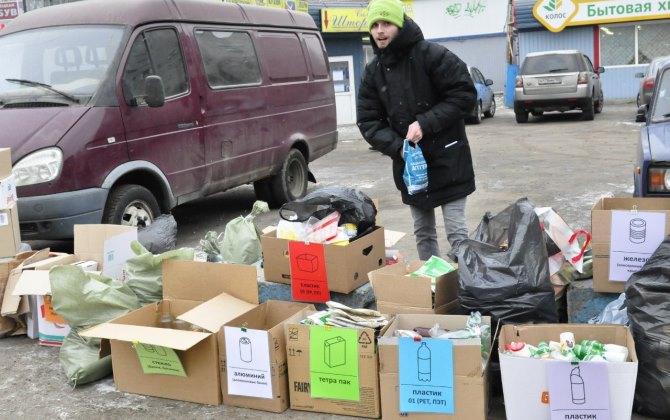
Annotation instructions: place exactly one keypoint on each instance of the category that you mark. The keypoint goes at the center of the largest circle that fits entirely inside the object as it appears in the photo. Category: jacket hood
(409, 35)
(36, 128)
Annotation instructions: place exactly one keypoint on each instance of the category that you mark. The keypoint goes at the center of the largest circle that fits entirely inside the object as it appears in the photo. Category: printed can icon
(245, 349)
(638, 230)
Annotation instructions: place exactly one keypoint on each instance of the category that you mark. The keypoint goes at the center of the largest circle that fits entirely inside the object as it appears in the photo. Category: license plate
(548, 81)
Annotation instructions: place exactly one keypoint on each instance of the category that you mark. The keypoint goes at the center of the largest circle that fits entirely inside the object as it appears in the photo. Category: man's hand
(414, 132)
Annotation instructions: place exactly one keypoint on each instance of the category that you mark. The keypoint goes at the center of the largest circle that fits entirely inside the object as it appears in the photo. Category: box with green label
(468, 368)
(169, 348)
(333, 370)
(252, 352)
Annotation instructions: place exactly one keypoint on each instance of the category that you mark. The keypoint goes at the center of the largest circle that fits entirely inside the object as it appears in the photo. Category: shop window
(633, 44)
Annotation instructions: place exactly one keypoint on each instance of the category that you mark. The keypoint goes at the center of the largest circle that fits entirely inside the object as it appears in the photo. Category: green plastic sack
(84, 300)
(80, 357)
(242, 239)
(145, 273)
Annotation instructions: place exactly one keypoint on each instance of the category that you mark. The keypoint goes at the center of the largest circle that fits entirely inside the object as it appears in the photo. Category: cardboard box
(7, 192)
(601, 232)
(269, 317)
(10, 233)
(104, 244)
(200, 293)
(346, 266)
(298, 348)
(470, 377)
(10, 325)
(396, 293)
(525, 384)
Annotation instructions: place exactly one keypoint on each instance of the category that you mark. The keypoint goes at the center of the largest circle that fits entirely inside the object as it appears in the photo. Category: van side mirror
(488, 82)
(600, 70)
(155, 93)
(642, 113)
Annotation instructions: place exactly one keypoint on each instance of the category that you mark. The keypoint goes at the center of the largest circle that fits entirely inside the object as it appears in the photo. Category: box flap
(89, 240)
(166, 337)
(50, 260)
(10, 302)
(201, 281)
(212, 314)
(5, 162)
(33, 282)
(391, 237)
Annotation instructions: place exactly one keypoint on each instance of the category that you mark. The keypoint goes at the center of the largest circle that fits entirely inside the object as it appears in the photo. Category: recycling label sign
(556, 15)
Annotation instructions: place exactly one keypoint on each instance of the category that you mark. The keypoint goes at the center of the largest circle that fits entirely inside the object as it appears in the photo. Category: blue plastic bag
(416, 168)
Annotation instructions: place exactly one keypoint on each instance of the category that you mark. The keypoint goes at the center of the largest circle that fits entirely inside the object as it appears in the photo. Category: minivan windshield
(59, 66)
(551, 63)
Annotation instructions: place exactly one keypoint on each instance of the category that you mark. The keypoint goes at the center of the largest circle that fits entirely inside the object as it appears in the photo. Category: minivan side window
(283, 57)
(155, 52)
(229, 58)
(316, 57)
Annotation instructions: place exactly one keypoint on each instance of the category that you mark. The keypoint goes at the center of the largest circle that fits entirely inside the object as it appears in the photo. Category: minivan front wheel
(131, 205)
(291, 181)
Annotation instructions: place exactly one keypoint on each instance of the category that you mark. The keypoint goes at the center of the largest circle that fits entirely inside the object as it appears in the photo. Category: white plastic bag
(416, 168)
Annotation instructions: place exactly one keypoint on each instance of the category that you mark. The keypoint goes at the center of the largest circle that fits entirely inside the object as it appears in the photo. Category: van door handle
(184, 126)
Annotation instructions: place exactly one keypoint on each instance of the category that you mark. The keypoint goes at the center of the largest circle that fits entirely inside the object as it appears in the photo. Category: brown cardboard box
(396, 293)
(7, 183)
(89, 244)
(601, 230)
(470, 378)
(346, 266)
(299, 375)
(227, 291)
(10, 234)
(9, 325)
(270, 317)
(525, 381)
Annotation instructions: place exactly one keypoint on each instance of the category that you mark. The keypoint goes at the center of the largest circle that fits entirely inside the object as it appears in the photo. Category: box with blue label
(423, 376)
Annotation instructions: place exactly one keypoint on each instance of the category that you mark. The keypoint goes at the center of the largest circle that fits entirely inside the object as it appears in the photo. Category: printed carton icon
(334, 352)
(307, 263)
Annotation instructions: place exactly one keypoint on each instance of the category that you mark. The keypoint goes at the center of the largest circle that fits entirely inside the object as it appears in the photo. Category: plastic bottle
(423, 360)
(577, 387)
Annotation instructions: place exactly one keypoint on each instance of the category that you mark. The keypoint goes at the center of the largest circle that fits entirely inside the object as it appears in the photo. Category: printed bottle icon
(245, 349)
(423, 360)
(577, 387)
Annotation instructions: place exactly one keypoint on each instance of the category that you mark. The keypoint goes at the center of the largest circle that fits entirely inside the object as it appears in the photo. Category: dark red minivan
(118, 111)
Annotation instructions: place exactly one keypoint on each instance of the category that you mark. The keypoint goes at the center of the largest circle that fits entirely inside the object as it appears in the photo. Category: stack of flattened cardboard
(10, 236)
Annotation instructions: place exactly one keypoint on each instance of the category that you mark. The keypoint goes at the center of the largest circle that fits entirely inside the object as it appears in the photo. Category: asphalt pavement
(558, 161)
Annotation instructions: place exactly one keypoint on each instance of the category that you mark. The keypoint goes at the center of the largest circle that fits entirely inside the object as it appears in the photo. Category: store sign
(9, 10)
(555, 15)
(340, 19)
(298, 5)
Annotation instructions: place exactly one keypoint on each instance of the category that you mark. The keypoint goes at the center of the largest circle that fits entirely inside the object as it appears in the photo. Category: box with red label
(7, 183)
(344, 267)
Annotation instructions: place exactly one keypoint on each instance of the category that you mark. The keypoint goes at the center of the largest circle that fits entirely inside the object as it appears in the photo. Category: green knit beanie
(387, 10)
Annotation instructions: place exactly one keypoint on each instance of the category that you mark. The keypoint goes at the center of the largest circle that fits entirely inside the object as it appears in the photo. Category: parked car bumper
(54, 216)
(554, 101)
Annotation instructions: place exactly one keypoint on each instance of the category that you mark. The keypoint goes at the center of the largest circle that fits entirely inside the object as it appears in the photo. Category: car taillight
(659, 180)
(648, 83)
(519, 82)
(582, 78)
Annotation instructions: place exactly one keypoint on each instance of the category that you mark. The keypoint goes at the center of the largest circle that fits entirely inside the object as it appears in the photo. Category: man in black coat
(418, 90)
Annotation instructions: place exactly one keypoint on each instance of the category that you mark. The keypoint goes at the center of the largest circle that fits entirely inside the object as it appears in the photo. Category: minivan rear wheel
(291, 181)
(131, 205)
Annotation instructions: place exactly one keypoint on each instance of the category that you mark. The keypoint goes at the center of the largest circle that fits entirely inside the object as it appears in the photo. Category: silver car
(648, 79)
(557, 81)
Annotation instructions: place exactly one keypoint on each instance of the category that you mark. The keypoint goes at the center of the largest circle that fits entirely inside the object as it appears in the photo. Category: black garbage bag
(648, 304)
(503, 268)
(352, 204)
(160, 236)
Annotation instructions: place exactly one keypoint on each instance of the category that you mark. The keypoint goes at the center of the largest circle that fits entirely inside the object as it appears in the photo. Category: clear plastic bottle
(165, 320)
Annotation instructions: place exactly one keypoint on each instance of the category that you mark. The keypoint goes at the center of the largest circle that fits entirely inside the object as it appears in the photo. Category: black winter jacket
(416, 80)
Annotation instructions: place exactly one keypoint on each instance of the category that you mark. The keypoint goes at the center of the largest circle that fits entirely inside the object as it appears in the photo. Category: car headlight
(41, 166)
(659, 179)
